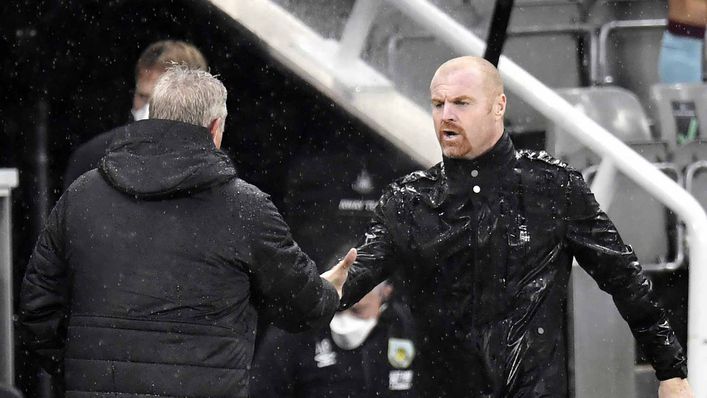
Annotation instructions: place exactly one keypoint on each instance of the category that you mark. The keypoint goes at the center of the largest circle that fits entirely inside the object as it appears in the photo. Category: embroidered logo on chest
(524, 236)
(400, 380)
(323, 354)
(401, 352)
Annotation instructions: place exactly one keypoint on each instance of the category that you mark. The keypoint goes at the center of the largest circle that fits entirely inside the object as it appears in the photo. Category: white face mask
(348, 331)
(142, 113)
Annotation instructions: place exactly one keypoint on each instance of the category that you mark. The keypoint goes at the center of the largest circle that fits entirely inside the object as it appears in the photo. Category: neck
(502, 145)
(484, 171)
(486, 149)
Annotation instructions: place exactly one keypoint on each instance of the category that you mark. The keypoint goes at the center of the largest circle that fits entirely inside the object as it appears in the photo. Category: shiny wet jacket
(482, 251)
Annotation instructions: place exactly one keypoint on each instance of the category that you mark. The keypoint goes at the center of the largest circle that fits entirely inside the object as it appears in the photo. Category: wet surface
(486, 271)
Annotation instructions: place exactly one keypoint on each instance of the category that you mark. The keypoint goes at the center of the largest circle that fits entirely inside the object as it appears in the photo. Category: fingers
(349, 258)
(338, 274)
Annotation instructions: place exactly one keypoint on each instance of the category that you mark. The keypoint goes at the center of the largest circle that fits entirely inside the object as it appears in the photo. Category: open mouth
(449, 133)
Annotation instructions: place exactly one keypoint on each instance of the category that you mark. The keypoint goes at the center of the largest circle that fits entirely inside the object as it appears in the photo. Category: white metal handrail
(547, 102)
(8, 180)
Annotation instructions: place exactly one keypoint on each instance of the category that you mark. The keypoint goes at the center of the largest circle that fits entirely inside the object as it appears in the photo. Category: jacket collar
(482, 173)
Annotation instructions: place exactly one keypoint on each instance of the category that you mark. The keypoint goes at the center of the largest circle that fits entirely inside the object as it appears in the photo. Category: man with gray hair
(152, 63)
(153, 269)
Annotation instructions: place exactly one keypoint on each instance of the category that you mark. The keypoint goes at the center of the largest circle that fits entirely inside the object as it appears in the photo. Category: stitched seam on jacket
(155, 331)
(113, 393)
(86, 315)
(151, 363)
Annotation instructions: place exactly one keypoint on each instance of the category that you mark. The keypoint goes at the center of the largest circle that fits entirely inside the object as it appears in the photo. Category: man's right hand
(338, 273)
(674, 388)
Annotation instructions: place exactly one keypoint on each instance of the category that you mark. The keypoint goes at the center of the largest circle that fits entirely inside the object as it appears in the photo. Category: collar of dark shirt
(482, 174)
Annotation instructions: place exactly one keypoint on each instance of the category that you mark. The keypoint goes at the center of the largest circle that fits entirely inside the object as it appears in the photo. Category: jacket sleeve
(598, 248)
(376, 258)
(286, 286)
(44, 295)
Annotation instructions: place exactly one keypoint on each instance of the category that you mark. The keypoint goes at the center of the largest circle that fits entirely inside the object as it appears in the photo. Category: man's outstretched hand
(338, 273)
(674, 388)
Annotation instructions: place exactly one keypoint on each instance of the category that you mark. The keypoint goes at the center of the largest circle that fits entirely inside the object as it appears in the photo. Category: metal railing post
(8, 180)
(594, 58)
(358, 25)
(603, 184)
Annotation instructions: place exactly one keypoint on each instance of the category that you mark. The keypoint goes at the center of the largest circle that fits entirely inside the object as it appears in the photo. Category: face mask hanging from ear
(142, 113)
(349, 332)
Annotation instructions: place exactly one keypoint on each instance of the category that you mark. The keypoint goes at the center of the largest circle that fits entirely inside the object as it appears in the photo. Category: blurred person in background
(681, 51)
(151, 64)
(153, 269)
(367, 351)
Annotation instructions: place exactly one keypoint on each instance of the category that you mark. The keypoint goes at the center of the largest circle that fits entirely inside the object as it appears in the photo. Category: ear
(500, 106)
(215, 131)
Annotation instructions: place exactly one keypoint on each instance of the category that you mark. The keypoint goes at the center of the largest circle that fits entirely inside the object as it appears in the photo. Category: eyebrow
(459, 98)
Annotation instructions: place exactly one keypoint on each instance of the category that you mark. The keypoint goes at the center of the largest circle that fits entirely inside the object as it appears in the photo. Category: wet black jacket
(311, 365)
(483, 250)
(151, 270)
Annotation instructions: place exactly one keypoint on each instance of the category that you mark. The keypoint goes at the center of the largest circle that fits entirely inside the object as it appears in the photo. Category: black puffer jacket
(150, 272)
(483, 250)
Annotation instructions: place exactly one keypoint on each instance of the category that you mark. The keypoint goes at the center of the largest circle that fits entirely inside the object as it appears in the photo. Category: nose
(447, 112)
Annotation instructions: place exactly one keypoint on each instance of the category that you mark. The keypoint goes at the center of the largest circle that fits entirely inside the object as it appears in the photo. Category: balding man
(482, 246)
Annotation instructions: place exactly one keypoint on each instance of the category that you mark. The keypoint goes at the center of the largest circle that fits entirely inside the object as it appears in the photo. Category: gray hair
(188, 95)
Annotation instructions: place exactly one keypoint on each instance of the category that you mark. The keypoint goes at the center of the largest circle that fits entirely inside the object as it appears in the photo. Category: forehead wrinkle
(489, 75)
(449, 97)
(453, 91)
